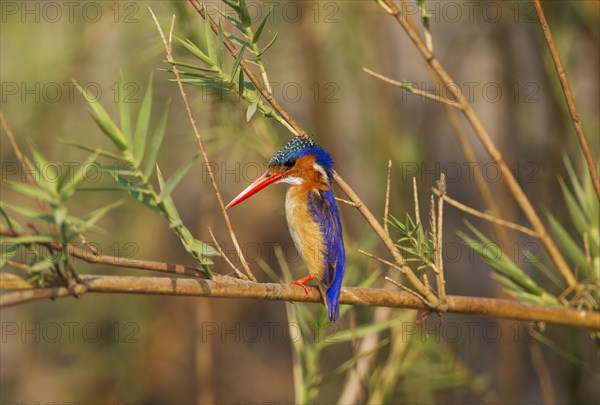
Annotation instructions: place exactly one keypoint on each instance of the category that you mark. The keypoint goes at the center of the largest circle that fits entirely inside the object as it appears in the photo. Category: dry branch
(286, 292)
(486, 140)
(562, 76)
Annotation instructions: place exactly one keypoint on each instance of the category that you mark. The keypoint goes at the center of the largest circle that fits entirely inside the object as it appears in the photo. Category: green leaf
(348, 364)
(154, 147)
(238, 60)
(574, 180)
(100, 152)
(233, 5)
(13, 226)
(260, 28)
(196, 52)
(241, 84)
(43, 176)
(176, 178)
(201, 68)
(32, 191)
(500, 262)
(577, 215)
(42, 265)
(124, 112)
(250, 111)
(141, 127)
(30, 239)
(220, 51)
(169, 206)
(28, 212)
(573, 251)
(201, 249)
(361, 331)
(68, 189)
(96, 215)
(210, 44)
(244, 14)
(104, 121)
(268, 46)
(7, 252)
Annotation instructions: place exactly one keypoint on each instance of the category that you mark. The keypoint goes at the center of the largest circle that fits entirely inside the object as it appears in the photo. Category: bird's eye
(288, 164)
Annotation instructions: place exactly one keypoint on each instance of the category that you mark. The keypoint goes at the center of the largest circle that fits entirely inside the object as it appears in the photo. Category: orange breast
(305, 232)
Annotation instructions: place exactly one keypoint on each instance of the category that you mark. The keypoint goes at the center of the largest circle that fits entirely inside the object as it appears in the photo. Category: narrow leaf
(32, 191)
(30, 239)
(573, 251)
(261, 27)
(141, 127)
(96, 215)
(124, 113)
(154, 147)
(196, 52)
(100, 152)
(210, 44)
(244, 14)
(28, 212)
(68, 189)
(220, 51)
(176, 178)
(238, 60)
(195, 67)
(104, 121)
(268, 46)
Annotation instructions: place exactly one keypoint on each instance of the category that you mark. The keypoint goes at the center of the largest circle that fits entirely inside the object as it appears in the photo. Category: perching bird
(311, 212)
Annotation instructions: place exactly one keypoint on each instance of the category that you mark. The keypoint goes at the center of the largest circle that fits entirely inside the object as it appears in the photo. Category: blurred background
(159, 350)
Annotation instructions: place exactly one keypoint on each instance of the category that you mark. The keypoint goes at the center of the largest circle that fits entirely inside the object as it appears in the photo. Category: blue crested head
(299, 147)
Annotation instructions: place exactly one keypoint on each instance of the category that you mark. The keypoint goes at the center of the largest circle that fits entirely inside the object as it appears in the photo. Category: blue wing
(324, 209)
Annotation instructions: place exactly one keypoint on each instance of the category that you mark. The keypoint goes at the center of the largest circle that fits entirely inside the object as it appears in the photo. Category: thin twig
(400, 269)
(169, 52)
(487, 217)
(404, 288)
(562, 76)
(441, 281)
(22, 160)
(541, 370)
(235, 269)
(416, 201)
(231, 288)
(486, 140)
(409, 87)
(386, 210)
(350, 203)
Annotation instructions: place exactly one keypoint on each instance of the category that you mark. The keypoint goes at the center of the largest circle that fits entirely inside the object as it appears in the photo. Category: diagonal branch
(486, 140)
(560, 71)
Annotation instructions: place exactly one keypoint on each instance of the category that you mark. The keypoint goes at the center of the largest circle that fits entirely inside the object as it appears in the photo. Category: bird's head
(299, 162)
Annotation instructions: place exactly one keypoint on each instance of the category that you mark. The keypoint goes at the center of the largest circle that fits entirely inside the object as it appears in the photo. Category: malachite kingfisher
(311, 212)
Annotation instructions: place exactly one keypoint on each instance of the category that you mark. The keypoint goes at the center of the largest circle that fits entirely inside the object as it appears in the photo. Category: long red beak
(258, 184)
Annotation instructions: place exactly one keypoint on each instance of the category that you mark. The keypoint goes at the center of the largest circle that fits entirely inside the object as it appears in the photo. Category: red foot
(302, 281)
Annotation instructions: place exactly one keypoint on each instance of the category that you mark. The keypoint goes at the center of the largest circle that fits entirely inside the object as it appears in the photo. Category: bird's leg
(302, 281)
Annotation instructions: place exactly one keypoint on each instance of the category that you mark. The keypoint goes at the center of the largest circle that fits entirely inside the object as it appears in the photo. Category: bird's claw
(301, 284)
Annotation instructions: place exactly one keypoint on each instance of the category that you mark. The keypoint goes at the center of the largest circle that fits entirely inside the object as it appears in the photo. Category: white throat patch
(294, 181)
(320, 169)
